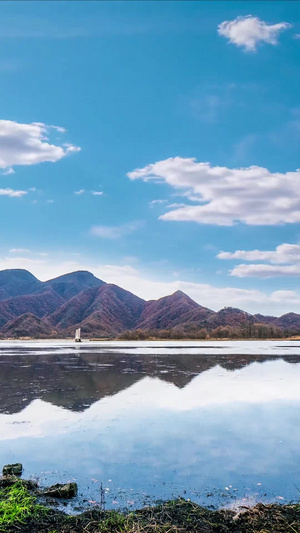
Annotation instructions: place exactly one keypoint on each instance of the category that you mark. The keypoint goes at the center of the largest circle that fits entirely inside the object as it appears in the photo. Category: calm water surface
(215, 422)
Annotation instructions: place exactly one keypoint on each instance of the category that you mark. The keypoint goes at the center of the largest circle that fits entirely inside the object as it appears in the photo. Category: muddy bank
(23, 508)
(175, 516)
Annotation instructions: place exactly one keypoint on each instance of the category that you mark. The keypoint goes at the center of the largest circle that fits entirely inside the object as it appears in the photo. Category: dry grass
(178, 516)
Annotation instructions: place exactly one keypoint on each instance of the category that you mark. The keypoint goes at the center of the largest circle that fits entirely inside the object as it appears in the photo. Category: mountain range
(54, 308)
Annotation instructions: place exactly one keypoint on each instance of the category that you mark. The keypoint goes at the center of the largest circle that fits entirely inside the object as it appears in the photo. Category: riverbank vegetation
(243, 332)
(20, 511)
(18, 506)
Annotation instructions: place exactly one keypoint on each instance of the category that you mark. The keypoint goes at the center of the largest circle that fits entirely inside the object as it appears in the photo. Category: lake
(216, 422)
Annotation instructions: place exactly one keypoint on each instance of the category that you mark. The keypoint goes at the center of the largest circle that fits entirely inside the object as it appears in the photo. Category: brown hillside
(166, 312)
(27, 325)
(100, 310)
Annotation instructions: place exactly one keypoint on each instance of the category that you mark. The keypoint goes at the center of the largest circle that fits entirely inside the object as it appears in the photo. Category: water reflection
(210, 426)
(75, 377)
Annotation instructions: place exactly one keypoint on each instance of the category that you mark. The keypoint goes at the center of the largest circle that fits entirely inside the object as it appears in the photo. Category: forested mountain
(31, 308)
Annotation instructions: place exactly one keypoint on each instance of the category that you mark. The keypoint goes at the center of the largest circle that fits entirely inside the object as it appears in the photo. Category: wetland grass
(17, 505)
(20, 512)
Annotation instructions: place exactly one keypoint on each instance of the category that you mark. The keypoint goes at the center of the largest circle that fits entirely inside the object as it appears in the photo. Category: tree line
(243, 331)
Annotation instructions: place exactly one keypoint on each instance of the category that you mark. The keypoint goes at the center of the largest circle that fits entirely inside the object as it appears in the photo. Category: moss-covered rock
(15, 469)
(59, 490)
(8, 481)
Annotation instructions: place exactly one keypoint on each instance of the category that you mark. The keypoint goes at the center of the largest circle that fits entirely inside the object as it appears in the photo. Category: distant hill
(32, 308)
(231, 316)
(71, 284)
(27, 325)
(289, 321)
(167, 312)
(104, 310)
(16, 282)
(39, 303)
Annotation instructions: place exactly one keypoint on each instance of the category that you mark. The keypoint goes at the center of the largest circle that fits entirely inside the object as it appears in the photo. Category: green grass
(19, 511)
(16, 505)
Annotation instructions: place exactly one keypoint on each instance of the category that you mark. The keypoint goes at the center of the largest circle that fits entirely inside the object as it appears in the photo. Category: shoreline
(152, 339)
(23, 507)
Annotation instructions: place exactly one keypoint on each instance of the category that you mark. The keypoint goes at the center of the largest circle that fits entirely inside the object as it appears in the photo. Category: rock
(69, 490)
(7, 481)
(29, 484)
(15, 469)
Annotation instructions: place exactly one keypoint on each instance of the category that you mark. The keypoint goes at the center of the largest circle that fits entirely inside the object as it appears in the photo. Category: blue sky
(155, 144)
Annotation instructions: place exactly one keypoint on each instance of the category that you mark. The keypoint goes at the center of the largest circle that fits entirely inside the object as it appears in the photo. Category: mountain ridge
(79, 299)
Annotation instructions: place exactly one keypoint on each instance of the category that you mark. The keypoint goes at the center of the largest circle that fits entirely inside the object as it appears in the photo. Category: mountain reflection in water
(155, 420)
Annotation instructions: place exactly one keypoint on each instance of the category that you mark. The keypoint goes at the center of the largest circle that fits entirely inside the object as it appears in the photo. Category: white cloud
(71, 148)
(31, 264)
(59, 129)
(19, 251)
(157, 202)
(175, 205)
(284, 253)
(285, 261)
(12, 193)
(250, 31)
(265, 271)
(224, 196)
(83, 191)
(8, 172)
(28, 144)
(115, 232)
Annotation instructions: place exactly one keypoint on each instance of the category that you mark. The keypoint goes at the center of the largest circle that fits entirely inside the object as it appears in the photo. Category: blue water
(218, 423)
